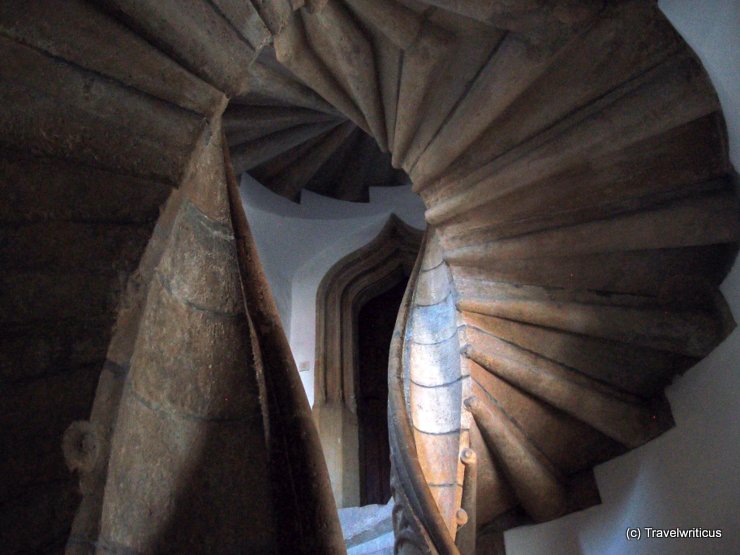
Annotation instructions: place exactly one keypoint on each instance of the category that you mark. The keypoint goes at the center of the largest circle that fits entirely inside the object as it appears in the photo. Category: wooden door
(375, 329)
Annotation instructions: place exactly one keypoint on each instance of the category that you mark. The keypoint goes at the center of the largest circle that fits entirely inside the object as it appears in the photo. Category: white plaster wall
(299, 243)
(690, 476)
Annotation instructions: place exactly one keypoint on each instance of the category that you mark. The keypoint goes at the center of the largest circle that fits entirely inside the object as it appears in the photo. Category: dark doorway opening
(376, 321)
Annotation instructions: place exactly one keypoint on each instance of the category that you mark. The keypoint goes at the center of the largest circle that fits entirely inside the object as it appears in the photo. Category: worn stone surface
(81, 33)
(361, 524)
(196, 35)
(64, 111)
(301, 492)
(92, 145)
(192, 391)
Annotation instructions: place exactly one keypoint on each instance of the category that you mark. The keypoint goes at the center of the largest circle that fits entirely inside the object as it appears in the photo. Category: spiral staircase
(572, 158)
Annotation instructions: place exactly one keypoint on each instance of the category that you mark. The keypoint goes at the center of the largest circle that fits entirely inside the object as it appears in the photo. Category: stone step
(381, 545)
(368, 529)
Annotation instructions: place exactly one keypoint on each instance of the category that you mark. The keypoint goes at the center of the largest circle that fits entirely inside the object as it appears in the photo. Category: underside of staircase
(572, 158)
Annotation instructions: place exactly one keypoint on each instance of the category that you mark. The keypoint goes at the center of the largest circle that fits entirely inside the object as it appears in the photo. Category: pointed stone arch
(348, 285)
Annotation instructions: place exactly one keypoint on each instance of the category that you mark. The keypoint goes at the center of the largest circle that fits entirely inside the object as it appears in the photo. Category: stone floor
(368, 530)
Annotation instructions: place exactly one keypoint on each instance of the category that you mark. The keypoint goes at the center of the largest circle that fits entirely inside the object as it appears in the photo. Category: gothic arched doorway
(353, 316)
